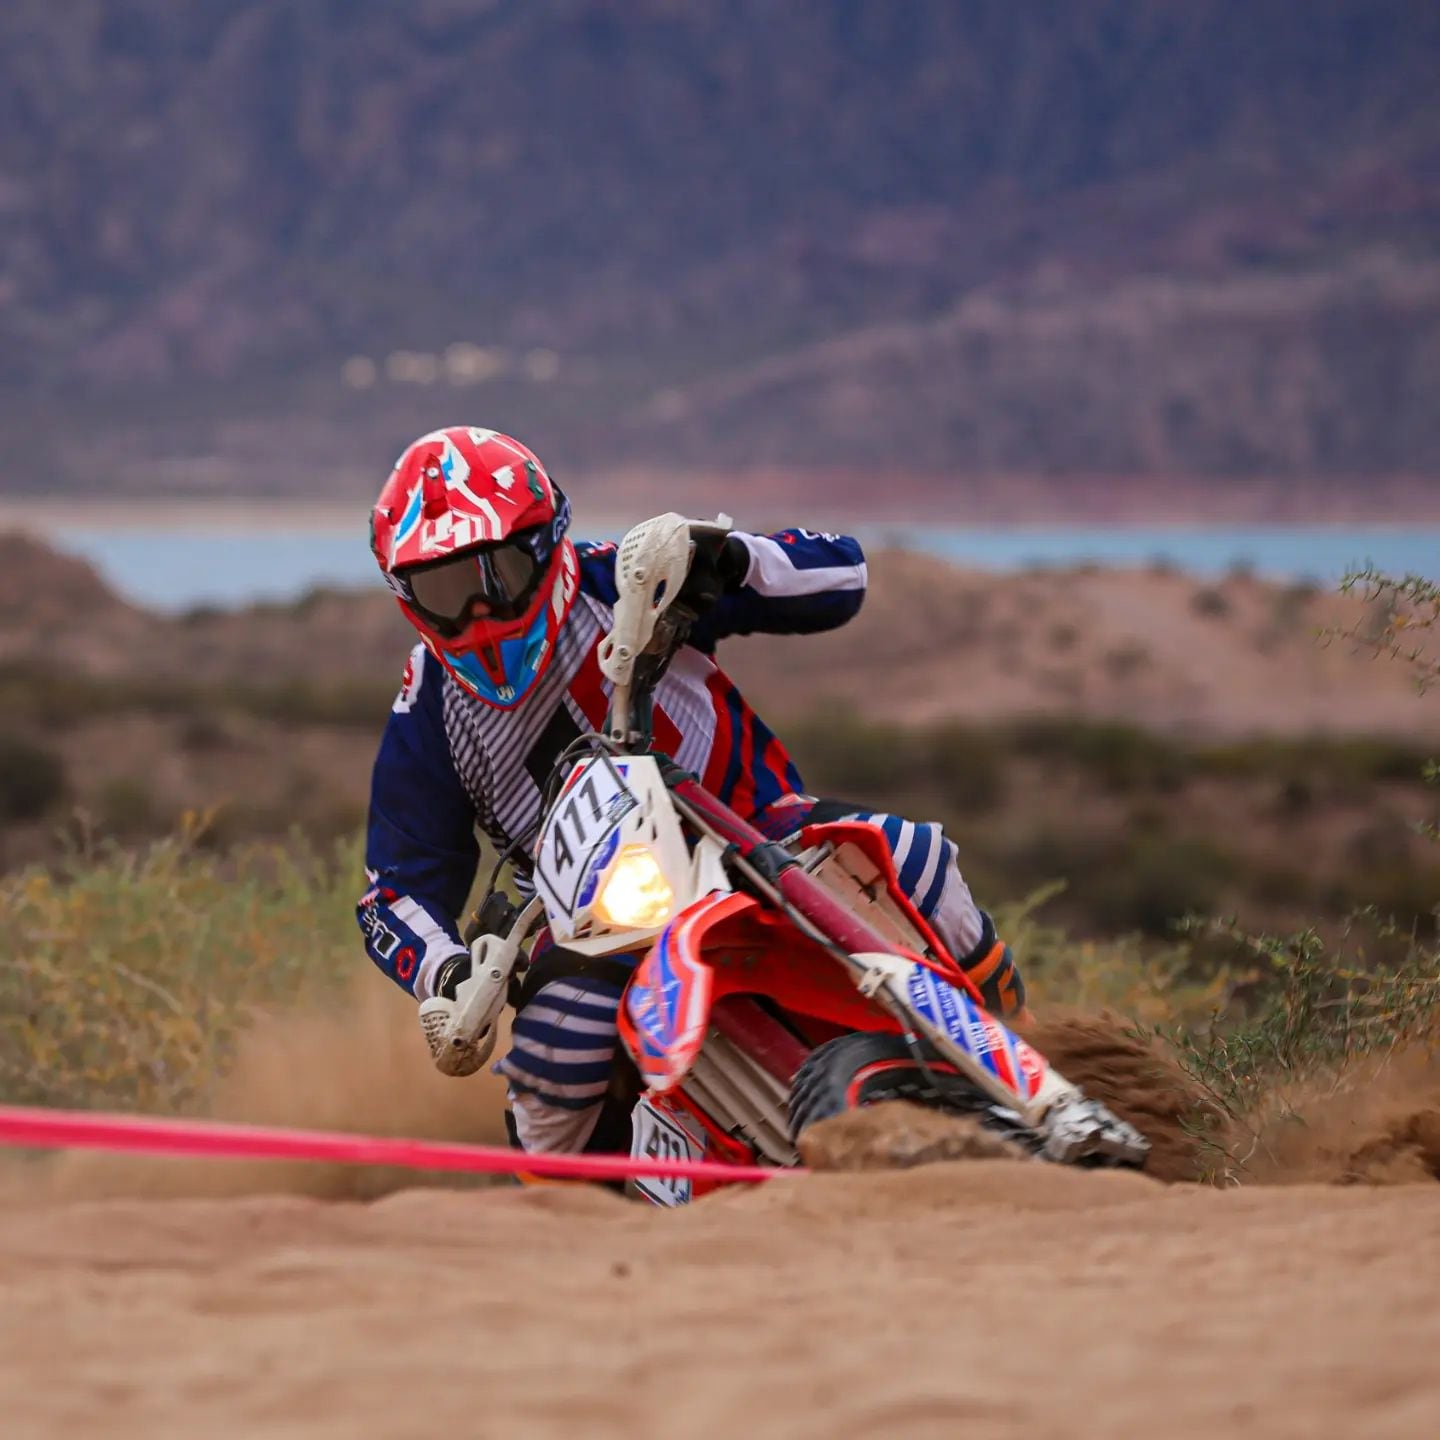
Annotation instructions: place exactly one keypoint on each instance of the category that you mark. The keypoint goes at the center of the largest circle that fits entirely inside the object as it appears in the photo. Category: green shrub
(1296, 796)
(341, 703)
(204, 733)
(1121, 757)
(1402, 892)
(1287, 885)
(32, 779)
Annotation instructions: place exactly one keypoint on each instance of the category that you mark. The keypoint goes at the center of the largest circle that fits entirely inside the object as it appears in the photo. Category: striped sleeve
(798, 582)
(420, 846)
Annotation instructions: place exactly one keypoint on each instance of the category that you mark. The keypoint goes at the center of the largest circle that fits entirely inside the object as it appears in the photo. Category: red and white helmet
(470, 534)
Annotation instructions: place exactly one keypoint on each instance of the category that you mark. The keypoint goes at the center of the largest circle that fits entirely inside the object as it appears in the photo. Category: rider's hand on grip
(452, 974)
(718, 564)
(453, 1056)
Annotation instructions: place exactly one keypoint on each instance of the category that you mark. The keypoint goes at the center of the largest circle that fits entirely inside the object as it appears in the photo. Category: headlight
(636, 895)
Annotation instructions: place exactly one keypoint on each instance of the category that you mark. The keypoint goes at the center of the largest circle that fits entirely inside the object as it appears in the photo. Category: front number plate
(578, 838)
(658, 1137)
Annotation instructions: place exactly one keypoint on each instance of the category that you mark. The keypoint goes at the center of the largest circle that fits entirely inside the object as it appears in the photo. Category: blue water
(178, 569)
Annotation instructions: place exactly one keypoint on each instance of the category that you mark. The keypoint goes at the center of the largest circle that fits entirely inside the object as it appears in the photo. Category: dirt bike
(779, 985)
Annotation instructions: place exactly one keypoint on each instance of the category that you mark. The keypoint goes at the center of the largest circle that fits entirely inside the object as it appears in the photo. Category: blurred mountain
(259, 243)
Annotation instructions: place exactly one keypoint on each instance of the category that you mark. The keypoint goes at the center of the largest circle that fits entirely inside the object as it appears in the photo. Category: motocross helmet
(470, 534)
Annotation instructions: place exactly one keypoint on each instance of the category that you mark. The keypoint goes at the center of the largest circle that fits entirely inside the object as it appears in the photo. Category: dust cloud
(363, 1067)
(360, 1066)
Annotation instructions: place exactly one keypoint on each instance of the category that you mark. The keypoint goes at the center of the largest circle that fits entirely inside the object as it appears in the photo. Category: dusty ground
(980, 1298)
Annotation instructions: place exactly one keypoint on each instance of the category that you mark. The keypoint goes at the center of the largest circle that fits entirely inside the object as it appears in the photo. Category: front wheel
(853, 1071)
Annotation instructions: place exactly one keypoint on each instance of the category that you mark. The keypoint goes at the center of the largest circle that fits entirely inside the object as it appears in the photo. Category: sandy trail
(986, 1298)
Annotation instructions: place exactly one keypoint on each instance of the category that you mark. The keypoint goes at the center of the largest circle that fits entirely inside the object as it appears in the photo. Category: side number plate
(658, 1137)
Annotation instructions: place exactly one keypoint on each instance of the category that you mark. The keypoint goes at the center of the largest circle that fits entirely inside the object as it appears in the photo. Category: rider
(471, 534)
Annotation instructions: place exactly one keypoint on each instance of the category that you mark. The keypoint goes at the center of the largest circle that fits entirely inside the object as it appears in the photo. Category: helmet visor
(496, 582)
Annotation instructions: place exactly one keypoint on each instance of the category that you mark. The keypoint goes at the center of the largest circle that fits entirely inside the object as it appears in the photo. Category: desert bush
(32, 779)
(1125, 661)
(1406, 893)
(1342, 762)
(1050, 853)
(345, 704)
(967, 767)
(201, 615)
(1402, 619)
(1154, 884)
(1121, 757)
(852, 759)
(1311, 1010)
(1063, 636)
(1294, 797)
(1145, 983)
(1287, 885)
(1313, 1006)
(1211, 603)
(125, 806)
(204, 733)
(34, 694)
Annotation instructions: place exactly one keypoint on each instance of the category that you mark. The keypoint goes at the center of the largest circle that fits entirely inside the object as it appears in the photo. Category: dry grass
(125, 978)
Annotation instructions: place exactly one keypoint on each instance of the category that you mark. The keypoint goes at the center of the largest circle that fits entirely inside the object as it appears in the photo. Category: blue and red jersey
(449, 765)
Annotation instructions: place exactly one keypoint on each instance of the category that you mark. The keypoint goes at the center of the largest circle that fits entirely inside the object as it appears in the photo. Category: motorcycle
(779, 984)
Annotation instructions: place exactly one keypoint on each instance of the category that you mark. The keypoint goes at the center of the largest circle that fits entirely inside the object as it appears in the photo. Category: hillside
(1118, 237)
(1155, 648)
(1157, 741)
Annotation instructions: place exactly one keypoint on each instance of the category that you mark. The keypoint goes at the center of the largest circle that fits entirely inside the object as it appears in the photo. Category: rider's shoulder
(421, 668)
(597, 569)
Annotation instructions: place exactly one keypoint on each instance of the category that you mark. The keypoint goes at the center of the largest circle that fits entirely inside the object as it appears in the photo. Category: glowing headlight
(636, 895)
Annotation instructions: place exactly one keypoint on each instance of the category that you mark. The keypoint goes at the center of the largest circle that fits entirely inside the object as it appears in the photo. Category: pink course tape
(41, 1129)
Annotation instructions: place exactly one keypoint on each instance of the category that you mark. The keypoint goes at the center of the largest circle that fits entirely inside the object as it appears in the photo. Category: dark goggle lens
(497, 582)
(515, 568)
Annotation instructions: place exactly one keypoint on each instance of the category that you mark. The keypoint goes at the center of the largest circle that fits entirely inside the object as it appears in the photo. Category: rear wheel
(853, 1071)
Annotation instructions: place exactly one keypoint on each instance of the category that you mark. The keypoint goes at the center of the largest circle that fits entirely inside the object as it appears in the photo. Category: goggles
(494, 582)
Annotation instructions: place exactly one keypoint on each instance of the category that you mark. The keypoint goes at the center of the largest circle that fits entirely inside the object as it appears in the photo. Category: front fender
(665, 1012)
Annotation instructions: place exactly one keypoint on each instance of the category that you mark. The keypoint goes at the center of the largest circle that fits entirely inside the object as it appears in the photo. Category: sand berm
(978, 1297)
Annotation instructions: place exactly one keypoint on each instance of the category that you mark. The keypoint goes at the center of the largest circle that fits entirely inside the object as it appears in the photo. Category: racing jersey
(450, 765)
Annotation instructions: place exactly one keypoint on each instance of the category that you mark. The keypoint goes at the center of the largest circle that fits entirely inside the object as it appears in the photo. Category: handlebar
(650, 569)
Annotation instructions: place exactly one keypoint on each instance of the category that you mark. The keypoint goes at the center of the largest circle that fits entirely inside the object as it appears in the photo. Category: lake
(188, 565)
